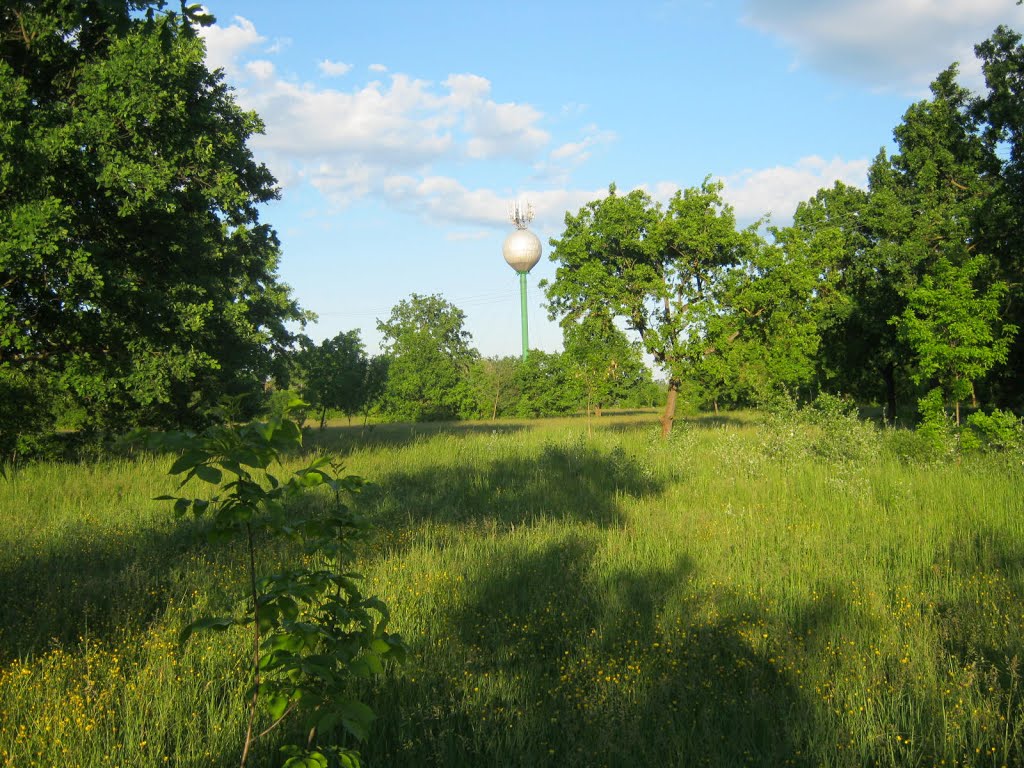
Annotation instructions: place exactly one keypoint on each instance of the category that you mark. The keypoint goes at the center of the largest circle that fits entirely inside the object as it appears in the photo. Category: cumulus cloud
(887, 45)
(448, 199)
(333, 68)
(397, 138)
(225, 44)
(778, 190)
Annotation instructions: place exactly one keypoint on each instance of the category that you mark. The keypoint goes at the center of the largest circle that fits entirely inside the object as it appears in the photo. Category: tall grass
(746, 593)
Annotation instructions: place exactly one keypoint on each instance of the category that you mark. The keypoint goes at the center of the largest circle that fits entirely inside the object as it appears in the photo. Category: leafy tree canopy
(431, 355)
(136, 278)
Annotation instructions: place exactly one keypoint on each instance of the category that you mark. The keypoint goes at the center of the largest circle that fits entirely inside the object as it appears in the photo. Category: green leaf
(187, 461)
(276, 704)
(208, 474)
(357, 718)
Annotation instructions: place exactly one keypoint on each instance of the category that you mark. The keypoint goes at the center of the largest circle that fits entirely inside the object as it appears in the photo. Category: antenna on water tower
(522, 252)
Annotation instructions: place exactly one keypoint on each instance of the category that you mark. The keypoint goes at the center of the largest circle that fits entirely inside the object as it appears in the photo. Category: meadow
(752, 591)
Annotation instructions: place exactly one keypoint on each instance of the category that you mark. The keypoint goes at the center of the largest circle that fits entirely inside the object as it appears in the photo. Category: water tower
(522, 252)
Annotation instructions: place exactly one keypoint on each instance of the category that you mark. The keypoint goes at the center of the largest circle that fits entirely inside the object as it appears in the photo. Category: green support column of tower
(522, 306)
(522, 252)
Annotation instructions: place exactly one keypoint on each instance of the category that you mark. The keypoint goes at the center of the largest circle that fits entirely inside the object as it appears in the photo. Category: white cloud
(447, 199)
(261, 69)
(398, 138)
(887, 45)
(333, 68)
(506, 129)
(778, 190)
(224, 45)
(578, 151)
(279, 44)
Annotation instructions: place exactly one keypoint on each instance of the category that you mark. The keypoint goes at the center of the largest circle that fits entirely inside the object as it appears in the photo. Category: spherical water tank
(521, 250)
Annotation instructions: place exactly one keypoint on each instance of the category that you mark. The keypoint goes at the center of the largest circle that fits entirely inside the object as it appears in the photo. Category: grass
(746, 593)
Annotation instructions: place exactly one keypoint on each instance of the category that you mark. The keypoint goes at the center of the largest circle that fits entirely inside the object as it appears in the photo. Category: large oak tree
(136, 278)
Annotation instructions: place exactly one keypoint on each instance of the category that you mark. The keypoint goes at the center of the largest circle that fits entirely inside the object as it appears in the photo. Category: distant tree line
(429, 370)
(912, 286)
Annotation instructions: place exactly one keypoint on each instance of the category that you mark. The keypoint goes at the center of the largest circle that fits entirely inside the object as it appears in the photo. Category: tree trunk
(494, 410)
(716, 406)
(958, 413)
(889, 376)
(323, 418)
(597, 410)
(670, 408)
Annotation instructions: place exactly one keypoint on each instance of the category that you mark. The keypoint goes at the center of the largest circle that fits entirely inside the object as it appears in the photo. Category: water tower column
(522, 309)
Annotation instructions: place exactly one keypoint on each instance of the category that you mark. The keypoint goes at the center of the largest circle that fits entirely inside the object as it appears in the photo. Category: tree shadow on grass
(90, 587)
(343, 439)
(980, 622)
(577, 482)
(564, 664)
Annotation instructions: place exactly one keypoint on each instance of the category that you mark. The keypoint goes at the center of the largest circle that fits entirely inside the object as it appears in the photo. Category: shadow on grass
(566, 665)
(979, 622)
(89, 587)
(577, 482)
(343, 438)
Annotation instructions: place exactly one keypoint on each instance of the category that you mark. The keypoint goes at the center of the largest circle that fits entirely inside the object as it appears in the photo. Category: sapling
(312, 628)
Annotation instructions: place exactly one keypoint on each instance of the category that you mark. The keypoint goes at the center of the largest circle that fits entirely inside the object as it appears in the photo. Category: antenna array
(519, 215)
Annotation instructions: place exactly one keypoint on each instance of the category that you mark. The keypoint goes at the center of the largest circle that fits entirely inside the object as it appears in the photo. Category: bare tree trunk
(494, 410)
(716, 406)
(670, 408)
(958, 413)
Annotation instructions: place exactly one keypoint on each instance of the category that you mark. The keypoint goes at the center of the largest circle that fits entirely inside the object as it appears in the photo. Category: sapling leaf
(208, 474)
(187, 461)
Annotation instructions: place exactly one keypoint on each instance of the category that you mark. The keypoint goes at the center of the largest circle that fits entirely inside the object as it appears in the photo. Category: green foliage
(955, 333)
(430, 355)
(624, 257)
(136, 279)
(936, 431)
(334, 374)
(25, 416)
(312, 627)
(995, 432)
(829, 429)
(604, 361)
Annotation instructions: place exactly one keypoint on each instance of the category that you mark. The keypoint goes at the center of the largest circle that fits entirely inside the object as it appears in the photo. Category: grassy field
(746, 593)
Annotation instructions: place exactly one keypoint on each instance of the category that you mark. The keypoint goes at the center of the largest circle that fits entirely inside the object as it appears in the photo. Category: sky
(400, 132)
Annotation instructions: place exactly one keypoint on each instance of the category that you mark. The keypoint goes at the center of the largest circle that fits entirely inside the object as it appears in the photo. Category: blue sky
(399, 132)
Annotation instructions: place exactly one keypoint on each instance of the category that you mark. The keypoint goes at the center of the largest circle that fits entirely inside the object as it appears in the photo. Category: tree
(955, 330)
(546, 386)
(1000, 114)
(333, 374)
(603, 359)
(626, 258)
(136, 278)
(430, 354)
(491, 380)
(375, 381)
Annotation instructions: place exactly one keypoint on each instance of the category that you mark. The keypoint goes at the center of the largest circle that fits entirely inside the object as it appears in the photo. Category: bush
(996, 432)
